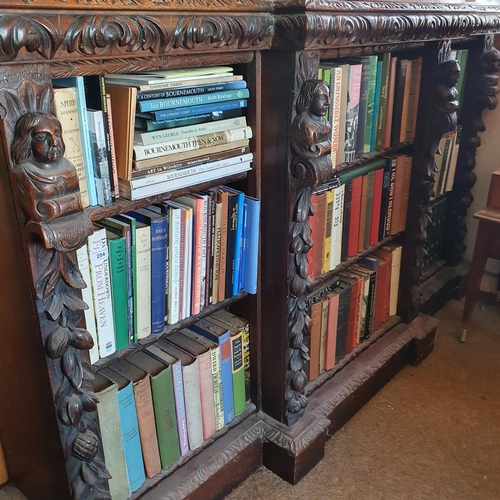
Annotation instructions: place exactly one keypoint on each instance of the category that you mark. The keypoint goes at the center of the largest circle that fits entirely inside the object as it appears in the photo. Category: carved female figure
(47, 181)
(310, 130)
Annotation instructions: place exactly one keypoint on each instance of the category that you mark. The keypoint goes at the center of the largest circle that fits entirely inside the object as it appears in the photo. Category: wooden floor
(10, 492)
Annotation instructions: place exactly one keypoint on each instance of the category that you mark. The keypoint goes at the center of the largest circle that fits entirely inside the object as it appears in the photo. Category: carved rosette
(485, 96)
(55, 226)
(310, 165)
(442, 118)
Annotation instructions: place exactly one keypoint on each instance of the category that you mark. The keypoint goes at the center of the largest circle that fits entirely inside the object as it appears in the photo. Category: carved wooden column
(54, 226)
(437, 115)
(481, 93)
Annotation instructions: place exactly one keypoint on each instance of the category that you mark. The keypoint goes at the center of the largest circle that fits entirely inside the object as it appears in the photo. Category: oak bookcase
(277, 46)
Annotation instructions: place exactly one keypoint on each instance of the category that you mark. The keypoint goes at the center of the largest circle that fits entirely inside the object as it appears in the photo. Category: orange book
(223, 198)
(398, 194)
(314, 340)
(331, 331)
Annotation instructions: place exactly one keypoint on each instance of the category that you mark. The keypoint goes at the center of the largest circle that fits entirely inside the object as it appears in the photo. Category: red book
(352, 248)
(406, 192)
(385, 254)
(377, 203)
(381, 293)
(398, 194)
(331, 333)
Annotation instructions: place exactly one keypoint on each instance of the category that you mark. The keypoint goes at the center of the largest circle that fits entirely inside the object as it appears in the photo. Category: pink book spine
(182, 264)
(206, 394)
(198, 255)
(331, 334)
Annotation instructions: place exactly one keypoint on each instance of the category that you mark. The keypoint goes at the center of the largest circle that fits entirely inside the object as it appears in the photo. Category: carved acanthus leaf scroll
(55, 226)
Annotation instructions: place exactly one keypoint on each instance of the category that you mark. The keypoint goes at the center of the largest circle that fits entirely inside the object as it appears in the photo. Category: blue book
(130, 429)
(221, 336)
(146, 95)
(88, 157)
(251, 254)
(234, 240)
(194, 110)
(159, 243)
(243, 246)
(376, 105)
(192, 100)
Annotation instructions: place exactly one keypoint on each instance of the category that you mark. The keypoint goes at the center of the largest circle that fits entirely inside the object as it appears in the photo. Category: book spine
(159, 248)
(238, 373)
(377, 201)
(335, 227)
(352, 113)
(342, 324)
(190, 374)
(155, 137)
(192, 100)
(363, 105)
(197, 256)
(217, 388)
(217, 251)
(180, 407)
(118, 265)
(399, 91)
(322, 335)
(376, 106)
(372, 79)
(198, 110)
(187, 91)
(182, 82)
(319, 234)
(204, 248)
(187, 237)
(191, 143)
(369, 209)
(162, 389)
(66, 107)
(390, 201)
(357, 185)
(327, 241)
(386, 137)
(207, 394)
(224, 199)
(174, 250)
(84, 266)
(235, 275)
(385, 198)
(250, 265)
(314, 340)
(112, 149)
(101, 285)
(384, 85)
(112, 442)
(331, 333)
(346, 221)
(147, 427)
(101, 173)
(335, 97)
(227, 380)
(131, 439)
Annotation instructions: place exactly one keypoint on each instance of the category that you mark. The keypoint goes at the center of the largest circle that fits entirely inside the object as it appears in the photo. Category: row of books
(186, 126)
(373, 103)
(446, 162)
(195, 142)
(166, 262)
(363, 206)
(159, 403)
(361, 300)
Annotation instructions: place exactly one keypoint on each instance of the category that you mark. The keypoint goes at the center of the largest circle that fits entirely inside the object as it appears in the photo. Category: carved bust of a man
(310, 130)
(47, 181)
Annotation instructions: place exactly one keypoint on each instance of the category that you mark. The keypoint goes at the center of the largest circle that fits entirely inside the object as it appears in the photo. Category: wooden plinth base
(439, 288)
(291, 452)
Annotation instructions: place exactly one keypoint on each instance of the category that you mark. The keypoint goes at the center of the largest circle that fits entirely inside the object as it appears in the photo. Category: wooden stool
(487, 246)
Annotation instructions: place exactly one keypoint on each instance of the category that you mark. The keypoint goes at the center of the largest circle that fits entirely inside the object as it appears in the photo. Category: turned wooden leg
(476, 272)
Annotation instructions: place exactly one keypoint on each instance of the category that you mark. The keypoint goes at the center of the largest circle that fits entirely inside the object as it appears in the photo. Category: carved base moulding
(291, 451)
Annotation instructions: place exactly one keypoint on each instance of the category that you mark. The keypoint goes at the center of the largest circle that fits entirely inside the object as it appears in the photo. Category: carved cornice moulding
(340, 29)
(77, 37)
(135, 5)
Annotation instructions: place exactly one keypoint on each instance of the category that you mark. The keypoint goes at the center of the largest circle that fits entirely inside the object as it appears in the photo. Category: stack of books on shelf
(373, 103)
(361, 300)
(184, 127)
(166, 262)
(158, 404)
(358, 209)
(143, 134)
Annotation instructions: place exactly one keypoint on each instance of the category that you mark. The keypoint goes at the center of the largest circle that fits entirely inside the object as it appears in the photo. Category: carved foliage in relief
(310, 165)
(52, 36)
(48, 193)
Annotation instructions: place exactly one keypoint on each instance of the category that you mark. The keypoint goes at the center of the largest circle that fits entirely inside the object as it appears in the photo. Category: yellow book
(328, 230)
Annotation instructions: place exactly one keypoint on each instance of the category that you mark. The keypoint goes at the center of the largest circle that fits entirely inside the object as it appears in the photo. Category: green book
(325, 76)
(370, 103)
(133, 252)
(384, 85)
(118, 266)
(462, 57)
(162, 388)
(111, 436)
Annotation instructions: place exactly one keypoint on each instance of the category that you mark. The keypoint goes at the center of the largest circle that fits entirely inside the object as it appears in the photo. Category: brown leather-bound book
(397, 204)
(314, 340)
(416, 76)
(319, 232)
(406, 193)
(406, 102)
(399, 90)
(331, 330)
(145, 413)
